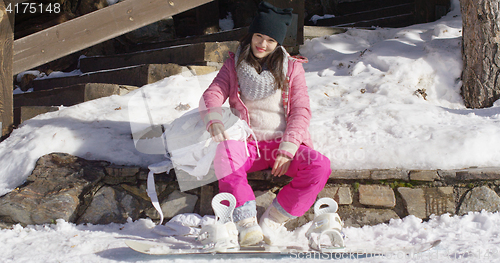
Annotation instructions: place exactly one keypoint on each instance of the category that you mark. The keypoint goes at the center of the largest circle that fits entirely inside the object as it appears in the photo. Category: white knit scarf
(255, 86)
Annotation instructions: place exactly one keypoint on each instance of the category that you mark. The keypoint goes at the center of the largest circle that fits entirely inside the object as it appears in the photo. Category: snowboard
(185, 247)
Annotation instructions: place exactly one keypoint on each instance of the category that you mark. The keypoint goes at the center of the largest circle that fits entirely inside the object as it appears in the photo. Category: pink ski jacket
(295, 101)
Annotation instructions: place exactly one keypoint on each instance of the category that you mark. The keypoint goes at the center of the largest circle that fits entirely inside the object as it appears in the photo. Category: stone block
(140, 193)
(388, 174)
(350, 174)
(447, 174)
(341, 194)
(478, 199)
(439, 200)
(263, 175)
(414, 201)
(263, 200)
(358, 217)
(377, 195)
(53, 190)
(201, 70)
(301, 220)
(478, 174)
(207, 192)
(111, 206)
(25, 113)
(178, 203)
(120, 174)
(424, 175)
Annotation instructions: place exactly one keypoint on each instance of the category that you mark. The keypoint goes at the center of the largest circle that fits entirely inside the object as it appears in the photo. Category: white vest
(267, 116)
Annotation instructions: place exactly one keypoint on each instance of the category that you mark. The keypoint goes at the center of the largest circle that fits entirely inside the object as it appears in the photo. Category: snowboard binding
(222, 235)
(326, 223)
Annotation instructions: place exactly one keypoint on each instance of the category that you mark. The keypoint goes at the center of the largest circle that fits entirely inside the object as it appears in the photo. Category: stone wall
(97, 192)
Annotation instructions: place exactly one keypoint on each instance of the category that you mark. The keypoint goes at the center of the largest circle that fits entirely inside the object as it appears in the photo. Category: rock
(377, 195)
(439, 200)
(480, 198)
(447, 174)
(342, 195)
(479, 174)
(414, 201)
(387, 174)
(111, 206)
(351, 174)
(121, 174)
(424, 175)
(300, 221)
(178, 203)
(263, 200)
(53, 190)
(358, 217)
(206, 195)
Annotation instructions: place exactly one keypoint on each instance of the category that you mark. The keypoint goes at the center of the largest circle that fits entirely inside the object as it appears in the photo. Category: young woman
(268, 89)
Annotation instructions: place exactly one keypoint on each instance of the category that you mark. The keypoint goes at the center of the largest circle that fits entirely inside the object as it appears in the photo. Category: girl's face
(262, 45)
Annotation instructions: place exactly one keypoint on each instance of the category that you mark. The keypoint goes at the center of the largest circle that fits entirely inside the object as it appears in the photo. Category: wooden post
(6, 61)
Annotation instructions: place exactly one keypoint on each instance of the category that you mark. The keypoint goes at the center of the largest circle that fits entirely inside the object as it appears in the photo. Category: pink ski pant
(309, 169)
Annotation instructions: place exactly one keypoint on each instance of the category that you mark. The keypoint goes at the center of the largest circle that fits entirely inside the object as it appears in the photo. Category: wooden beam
(93, 28)
(6, 81)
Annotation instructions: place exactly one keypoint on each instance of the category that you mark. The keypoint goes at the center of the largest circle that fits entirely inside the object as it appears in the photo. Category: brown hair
(274, 61)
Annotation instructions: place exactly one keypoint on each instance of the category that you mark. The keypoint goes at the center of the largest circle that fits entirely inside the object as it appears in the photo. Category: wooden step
(347, 8)
(132, 76)
(194, 54)
(72, 95)
(369, 16)
(387, 22)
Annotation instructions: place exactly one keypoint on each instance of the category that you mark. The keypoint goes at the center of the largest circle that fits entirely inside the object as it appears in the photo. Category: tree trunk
(481, 52)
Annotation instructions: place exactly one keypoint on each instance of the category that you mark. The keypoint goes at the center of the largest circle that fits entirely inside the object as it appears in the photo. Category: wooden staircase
(385, 13)
(118, 74)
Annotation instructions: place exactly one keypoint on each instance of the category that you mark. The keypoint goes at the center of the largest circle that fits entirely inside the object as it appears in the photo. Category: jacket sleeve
(215, 95)
(299, 115)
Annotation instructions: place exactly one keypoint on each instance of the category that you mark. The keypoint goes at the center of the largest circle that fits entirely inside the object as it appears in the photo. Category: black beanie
(271, 21)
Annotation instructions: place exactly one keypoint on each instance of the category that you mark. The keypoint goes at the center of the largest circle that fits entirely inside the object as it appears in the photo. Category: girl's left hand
(281, 165)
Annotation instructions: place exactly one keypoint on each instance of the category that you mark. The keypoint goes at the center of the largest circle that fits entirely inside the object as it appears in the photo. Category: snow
(226, 23)
(469, 238)
(315, 18)
(367, 91)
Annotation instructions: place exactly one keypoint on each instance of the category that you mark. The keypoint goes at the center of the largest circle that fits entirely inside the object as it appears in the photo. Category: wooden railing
(72, 36)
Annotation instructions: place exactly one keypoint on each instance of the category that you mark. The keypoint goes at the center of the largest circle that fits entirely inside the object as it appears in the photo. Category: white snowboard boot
(326, 223)
(222, 235)
(271, 222)
(250, 232)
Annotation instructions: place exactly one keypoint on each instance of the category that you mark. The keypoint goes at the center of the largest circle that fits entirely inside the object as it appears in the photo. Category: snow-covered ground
(470, 238)
(367, 90)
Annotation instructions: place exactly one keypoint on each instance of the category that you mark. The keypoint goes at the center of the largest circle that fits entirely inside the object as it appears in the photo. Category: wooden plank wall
(93, 28)
(6, 58)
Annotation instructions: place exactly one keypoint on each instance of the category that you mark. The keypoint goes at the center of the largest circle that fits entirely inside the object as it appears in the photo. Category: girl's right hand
(218, 132)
